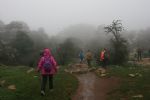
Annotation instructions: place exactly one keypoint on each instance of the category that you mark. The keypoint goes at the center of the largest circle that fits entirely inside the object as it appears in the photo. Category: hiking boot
(42, 93)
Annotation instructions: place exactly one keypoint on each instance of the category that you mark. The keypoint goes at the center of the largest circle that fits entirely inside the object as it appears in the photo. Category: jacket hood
(47, 52)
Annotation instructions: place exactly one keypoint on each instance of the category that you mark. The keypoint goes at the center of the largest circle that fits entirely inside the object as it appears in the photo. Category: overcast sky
(54, 15)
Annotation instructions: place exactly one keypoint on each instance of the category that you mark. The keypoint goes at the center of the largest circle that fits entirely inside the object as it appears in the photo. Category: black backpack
(106, 55)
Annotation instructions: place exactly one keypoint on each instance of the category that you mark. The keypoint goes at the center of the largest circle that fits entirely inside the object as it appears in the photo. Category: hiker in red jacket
(104, 57)
(47, 67)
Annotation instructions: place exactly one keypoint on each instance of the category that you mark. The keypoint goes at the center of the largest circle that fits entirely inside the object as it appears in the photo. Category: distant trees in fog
(21, 45)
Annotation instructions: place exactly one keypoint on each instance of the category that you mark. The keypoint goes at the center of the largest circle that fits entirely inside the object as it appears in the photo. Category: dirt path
(93, 88)
(145, 61)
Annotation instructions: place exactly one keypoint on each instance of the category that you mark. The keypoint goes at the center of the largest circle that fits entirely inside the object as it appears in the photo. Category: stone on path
(35, 76)
(135, 75)
(2, 82)
(138, 96)
(12, 87)
(30, 70)
(77, 68)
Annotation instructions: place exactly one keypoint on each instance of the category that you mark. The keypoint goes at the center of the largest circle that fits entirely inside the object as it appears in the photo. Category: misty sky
(54, 15)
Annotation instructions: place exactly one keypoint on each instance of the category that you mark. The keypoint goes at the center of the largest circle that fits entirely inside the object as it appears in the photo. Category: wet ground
(92, 87)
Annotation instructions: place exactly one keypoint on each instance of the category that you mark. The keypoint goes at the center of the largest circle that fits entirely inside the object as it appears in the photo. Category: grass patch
(28, 86)
(131, 86)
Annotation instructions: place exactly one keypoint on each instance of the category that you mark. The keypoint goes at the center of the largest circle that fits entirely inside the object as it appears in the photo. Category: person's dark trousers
(81, 60)
(44, 82)
(89, 62)
(139, 56)
(104, 63)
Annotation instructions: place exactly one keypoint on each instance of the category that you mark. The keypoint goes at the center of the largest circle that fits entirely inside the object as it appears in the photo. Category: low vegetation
(27, 85)
(134, 82)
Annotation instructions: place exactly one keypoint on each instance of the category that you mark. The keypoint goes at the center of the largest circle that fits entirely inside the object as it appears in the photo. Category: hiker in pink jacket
(47, 67)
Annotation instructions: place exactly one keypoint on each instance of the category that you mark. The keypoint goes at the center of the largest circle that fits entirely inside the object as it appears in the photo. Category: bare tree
(119, 44)
(115, 28)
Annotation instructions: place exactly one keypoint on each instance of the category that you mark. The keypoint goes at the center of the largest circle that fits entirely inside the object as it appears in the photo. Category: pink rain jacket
(47, 54)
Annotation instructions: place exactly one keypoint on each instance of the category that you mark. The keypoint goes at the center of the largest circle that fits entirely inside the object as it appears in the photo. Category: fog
(68, 26)
(55, 15)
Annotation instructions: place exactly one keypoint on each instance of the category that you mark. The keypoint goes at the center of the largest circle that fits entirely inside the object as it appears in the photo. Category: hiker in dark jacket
(139, 54)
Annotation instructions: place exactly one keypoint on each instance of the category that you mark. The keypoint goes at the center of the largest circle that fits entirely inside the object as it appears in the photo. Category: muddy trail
(144, 61)
(92, 87)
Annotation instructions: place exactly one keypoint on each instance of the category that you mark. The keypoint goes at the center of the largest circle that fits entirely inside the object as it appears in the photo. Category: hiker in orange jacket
(104, 57)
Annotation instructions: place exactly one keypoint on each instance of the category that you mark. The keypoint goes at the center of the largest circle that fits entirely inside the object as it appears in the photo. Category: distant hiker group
(103, 57)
